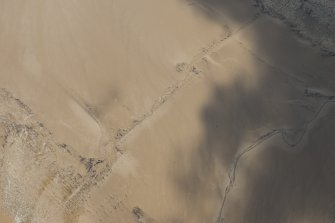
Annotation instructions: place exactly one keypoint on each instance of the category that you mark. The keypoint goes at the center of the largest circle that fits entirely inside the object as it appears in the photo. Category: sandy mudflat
(162, 111)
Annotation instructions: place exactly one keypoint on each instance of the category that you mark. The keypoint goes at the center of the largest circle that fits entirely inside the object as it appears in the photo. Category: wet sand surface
(177, 111)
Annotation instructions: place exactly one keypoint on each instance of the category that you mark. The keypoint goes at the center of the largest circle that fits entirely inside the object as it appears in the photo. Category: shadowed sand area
(166, 112)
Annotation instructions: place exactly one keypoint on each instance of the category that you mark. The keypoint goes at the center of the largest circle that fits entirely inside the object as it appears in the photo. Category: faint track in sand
(190, 72)
(88, 110)
(267, 136)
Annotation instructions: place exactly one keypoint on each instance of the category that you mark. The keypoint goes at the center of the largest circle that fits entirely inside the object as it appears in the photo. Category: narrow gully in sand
(262, 139)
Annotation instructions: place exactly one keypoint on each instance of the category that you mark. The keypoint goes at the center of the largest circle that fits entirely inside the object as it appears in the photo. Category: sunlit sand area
(171, 111)
(5, 219)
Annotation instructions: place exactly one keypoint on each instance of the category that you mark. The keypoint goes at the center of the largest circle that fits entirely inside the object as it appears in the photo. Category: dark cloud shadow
(221, 10)
(292, 185)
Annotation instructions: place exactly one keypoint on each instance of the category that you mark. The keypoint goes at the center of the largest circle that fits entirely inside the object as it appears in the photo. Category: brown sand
(5, 219)
(170, 111)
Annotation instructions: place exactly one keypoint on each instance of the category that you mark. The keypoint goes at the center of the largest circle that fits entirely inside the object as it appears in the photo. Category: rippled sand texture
(163, 111)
